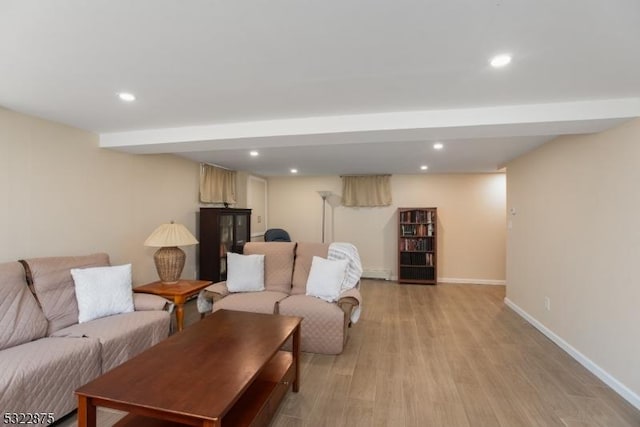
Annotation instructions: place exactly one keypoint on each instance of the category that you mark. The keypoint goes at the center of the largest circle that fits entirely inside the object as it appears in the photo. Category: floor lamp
(324, 195)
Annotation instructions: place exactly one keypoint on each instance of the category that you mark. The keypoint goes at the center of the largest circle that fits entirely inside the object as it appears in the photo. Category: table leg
(179, 302)
(86, 412)
(296, 358)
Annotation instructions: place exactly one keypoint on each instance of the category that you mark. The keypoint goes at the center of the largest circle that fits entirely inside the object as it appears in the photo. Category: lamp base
(169, 264)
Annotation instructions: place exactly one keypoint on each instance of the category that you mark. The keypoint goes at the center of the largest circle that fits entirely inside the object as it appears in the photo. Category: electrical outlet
(547, 303)
(259, 219)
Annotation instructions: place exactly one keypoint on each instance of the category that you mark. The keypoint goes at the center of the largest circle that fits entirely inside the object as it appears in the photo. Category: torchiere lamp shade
(169, 259)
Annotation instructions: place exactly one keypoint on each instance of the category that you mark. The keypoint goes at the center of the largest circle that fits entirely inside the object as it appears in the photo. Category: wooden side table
(178, 293)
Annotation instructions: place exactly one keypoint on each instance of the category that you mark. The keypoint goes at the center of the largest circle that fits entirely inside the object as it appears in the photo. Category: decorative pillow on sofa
(326, 277)
(245, 273)
(102, 291)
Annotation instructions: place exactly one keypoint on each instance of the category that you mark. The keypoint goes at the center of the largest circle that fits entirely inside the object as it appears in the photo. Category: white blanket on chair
(340, 250)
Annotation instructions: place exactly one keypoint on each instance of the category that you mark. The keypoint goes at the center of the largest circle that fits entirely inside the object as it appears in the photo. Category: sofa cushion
(325, 278)
(122, 336)
(278, 263)
(21, 319)
(54, 288)
(102, 291)
(42, 375)
(304, 256)
(146, 302)
(254, 302)
(245, 273)
(322, 325)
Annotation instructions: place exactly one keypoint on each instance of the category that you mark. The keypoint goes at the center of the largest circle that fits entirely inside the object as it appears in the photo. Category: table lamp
(170, 258)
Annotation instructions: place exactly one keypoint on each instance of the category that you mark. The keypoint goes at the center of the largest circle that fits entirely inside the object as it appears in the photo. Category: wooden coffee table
(226, 370)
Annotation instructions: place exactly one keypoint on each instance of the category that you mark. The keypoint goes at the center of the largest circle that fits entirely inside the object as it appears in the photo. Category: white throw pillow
(245, 273)
(102, 291)
(326, 277)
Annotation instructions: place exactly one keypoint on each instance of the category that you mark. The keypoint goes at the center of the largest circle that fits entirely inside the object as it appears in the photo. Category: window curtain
(217, 185)
(366, 190)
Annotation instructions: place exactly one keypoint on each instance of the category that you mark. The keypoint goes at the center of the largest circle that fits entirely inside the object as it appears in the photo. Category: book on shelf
(423, 230)
(419, 244)
(421, 259)
(413, 273)
(417, 216)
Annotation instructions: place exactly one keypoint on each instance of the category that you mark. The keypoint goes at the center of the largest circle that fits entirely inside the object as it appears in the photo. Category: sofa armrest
(217, 291)
(148, 302)
(209, 295)
(348, 302)
(352, 297)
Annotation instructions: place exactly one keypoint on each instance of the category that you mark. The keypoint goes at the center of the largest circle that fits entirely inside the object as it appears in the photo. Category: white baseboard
(376, 273)
(471, 281)
(464, 281)
(596, 370)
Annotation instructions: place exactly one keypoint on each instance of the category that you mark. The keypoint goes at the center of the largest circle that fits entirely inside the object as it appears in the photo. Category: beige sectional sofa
(287, 265)
(45, 355)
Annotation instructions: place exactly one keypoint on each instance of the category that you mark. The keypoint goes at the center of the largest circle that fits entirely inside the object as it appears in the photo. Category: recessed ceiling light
(499, 61)
(125, 96)
(294, 170)
(424, 167)
(438, 146)
(253, 153)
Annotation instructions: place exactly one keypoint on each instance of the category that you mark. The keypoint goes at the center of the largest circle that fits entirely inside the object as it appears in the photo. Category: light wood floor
(446, 355)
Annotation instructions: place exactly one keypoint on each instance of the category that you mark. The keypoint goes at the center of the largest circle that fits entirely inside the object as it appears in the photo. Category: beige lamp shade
(169, 258)
(171, 234)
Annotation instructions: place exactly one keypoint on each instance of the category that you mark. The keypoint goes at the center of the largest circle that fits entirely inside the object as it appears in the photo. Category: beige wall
(576, 240)
(62, 195)
(471, 220)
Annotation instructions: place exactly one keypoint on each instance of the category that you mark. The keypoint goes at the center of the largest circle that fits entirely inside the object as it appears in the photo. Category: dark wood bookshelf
(417, 246)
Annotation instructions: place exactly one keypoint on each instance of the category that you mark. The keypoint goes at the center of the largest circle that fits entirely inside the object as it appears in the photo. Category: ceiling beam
(516, 120)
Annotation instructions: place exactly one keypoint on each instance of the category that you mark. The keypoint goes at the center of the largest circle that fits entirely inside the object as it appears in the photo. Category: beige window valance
(366, 190)
(217, 185)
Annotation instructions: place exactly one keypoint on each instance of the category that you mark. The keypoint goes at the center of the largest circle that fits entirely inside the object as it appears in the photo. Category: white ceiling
(328, 87)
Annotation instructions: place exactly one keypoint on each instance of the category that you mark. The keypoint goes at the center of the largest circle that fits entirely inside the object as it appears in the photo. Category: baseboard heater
(377, 274)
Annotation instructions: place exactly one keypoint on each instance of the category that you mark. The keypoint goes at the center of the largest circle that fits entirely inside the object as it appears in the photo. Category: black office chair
(276, 235)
